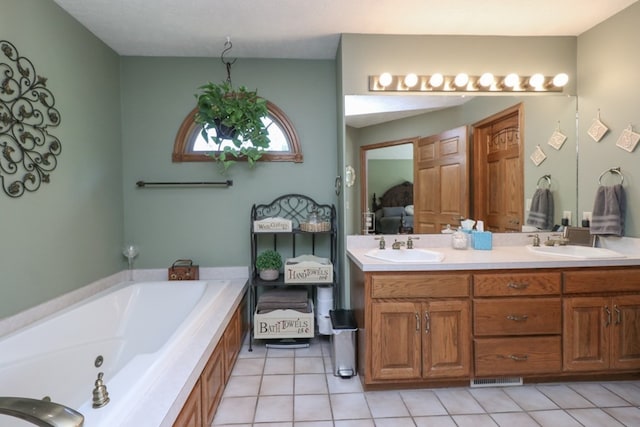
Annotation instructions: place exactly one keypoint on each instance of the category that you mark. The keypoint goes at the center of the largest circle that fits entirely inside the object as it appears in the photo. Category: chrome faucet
(382, 243)
(536, 239)
(410, 241)
(562, 241)
(41, 412)
(397, 245)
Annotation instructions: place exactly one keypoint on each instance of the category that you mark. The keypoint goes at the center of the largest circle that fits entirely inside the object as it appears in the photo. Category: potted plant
(269, 264)
(235, 115)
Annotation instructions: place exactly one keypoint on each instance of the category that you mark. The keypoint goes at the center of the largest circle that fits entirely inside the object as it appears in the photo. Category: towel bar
(614, 171)
(543, 178)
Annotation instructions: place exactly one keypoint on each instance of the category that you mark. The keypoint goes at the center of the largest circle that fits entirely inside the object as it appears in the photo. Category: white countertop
(509, 252)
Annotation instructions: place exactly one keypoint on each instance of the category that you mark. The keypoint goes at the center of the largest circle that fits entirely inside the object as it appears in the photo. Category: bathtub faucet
(41, 412)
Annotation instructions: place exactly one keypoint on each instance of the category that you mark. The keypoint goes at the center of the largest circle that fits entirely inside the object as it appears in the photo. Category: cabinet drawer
(516, 284)
(422, 285)
(597, 281)
(517, 316)
(517, 356)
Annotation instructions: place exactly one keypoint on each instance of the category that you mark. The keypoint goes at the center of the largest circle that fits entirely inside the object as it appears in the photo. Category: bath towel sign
(183, 269)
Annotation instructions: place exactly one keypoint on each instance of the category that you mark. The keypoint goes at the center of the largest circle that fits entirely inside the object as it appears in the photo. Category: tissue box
(482, 240)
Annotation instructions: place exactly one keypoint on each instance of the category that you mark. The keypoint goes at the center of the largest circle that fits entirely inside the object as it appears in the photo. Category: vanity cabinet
(602, 320)
(517, 321)
(418, 327)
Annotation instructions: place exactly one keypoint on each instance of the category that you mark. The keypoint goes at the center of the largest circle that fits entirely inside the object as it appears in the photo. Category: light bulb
(385, 79)
(486, 80)
(560, 80)
(410, 80)
(536, 81)
(461, 80)
(436, 80)
(511, 80)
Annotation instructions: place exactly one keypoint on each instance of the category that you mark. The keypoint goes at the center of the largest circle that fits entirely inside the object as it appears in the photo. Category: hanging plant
(236, 115)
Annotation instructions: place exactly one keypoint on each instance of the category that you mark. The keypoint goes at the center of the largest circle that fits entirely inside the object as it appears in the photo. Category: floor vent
(495, 382)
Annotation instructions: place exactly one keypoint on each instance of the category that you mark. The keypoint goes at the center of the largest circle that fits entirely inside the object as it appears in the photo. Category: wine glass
(130, 251)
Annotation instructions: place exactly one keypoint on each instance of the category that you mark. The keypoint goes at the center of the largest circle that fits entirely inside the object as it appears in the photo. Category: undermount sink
(405, 255)
(572, 251)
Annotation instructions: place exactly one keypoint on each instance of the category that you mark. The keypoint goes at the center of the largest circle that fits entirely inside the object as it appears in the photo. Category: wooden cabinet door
(231, 340)
(191, 413)
(586, 333)
(212, 384)
(395, 341)
(446, 341)
(625, 339)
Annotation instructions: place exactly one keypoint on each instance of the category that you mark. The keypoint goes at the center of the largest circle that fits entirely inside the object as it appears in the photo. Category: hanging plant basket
(236, 115)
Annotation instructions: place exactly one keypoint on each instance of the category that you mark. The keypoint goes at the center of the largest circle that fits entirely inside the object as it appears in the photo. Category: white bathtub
(142, 332)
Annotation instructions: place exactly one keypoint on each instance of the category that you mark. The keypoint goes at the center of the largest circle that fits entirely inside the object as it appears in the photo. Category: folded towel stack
(541, 211)
(609, 207)
(284, 299)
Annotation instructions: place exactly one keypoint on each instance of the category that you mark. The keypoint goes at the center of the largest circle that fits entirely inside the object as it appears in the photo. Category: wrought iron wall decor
(27, 113)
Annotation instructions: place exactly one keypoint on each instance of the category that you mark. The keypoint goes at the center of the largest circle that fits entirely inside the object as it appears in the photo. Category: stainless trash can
(343, 343)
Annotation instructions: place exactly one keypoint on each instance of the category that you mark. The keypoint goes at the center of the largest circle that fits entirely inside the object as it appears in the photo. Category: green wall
(68, 233)
(382, 174)
(211, 225)
(608, 67)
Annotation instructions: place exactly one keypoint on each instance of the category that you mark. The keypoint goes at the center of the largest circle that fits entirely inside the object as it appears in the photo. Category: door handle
(608, 313)
(618, 314)
(519, 358)
(518, 285)
(417, 322)
(517, 318)
(427, 322)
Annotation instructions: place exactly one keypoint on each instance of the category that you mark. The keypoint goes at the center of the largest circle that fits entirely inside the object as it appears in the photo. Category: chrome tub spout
(41, 412)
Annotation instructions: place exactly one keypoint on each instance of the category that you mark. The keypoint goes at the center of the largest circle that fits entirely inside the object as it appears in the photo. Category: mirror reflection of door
(441, 190)
(498, 181)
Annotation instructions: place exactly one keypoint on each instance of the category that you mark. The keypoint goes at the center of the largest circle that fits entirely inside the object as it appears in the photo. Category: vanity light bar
(462, 82)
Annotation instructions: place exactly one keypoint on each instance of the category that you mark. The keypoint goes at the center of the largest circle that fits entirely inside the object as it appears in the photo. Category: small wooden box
(308, 269)
(183, 269)
(284, 324)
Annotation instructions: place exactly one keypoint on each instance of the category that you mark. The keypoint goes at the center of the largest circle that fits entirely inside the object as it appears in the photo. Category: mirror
(543, 115)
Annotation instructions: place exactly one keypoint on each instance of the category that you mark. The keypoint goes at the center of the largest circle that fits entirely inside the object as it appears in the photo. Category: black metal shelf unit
(297, 208)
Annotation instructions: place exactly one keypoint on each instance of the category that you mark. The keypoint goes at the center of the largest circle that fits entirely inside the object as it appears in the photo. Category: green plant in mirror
(236, 115)
(269, 260)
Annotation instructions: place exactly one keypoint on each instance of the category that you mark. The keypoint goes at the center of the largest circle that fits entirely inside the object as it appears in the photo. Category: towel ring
(544, 178)
(614, 171)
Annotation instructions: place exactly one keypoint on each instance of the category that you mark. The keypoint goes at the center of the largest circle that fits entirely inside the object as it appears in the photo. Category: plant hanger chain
(227, 47)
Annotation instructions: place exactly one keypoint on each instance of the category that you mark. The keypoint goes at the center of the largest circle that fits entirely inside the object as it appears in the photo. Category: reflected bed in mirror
(394, 210)
(543, 115)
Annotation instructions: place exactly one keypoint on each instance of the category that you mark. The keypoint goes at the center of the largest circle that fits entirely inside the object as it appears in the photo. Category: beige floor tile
(243, 385)
(386, 404)
(474, 420)
(257, 352)
(554, 418)
(354, 423)
(235, 410)
(437, 421)
(629, 416)
(279, 365)
(564, 396)
(421, 403)
(598, 395)
(458, 401)
(530, 399)
(309, 365)
(248, 367)
(343, 385)
(494, 400)
(311, 384)
(311, 408)
(274, 409)
(513, 419)
(394, 422)
(273, 385)
(349, 406)
(593, 417)
(629, 391)
(312, 424)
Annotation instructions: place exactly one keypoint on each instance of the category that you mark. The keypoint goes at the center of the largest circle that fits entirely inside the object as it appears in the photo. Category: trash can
(343, 343)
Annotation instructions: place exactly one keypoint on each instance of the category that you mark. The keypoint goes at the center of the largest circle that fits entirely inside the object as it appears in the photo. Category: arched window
(190, 146)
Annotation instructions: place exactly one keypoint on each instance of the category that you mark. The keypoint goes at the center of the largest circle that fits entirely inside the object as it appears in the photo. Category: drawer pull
(608, 312)
(517, 318)
(518, 285)
(519, 358)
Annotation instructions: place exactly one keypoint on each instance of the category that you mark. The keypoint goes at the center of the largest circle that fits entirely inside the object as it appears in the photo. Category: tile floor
(286, 388)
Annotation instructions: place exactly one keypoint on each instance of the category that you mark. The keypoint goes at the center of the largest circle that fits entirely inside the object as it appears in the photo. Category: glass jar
(459, 239)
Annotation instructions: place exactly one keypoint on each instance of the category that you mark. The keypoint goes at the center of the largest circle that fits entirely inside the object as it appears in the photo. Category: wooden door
(212, 384)
(395, 340)
(446, 349)
(191, 413)
(586, 333)
(498, 171)
(625, 339)
(441, 176)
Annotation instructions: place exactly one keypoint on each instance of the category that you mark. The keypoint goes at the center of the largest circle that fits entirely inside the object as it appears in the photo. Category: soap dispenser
(460, 239)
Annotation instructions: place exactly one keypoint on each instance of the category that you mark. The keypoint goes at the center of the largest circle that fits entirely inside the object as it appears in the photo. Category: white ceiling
(310, 29)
